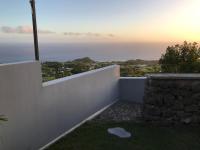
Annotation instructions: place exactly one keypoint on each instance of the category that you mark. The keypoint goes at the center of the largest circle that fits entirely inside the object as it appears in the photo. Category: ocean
(70, 51)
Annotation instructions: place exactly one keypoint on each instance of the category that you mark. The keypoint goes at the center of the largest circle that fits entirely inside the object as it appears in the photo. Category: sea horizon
(102, 52)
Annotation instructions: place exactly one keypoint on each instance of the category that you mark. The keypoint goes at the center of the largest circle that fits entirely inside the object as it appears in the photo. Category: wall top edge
(18, 63)
(132, 78)
(174, 76)
(77, 75)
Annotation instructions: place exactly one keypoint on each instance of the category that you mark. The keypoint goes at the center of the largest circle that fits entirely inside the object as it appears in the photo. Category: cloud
(23, 30)
(29, 30)
(111, 35)
(88, 34)
(45, 31)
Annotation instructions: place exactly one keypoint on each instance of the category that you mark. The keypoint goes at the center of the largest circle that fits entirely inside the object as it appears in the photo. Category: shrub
(181, 59)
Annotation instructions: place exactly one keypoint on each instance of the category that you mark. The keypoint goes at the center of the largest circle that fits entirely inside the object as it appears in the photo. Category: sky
(101, 20)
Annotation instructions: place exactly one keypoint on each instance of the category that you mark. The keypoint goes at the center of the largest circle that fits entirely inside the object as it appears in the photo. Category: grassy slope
(94, 136)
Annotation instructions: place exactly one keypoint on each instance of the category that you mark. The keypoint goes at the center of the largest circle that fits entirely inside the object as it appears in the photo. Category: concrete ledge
(133, 78)
(77, 75)
(17, 63)
(175, 76)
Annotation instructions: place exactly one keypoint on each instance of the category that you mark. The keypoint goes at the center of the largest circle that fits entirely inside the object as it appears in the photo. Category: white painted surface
(76, 126)
(38, 113)
(119, 132)
(132, 89)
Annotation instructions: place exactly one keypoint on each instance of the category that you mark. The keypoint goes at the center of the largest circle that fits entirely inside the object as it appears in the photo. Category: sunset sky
(102, 20)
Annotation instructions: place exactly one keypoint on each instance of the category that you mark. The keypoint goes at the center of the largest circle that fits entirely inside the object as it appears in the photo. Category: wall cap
(77, 75)
(169, 76)
(18, 63)
(133, 78)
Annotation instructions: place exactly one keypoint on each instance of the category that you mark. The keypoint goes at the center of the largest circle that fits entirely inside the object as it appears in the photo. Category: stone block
(172, 99)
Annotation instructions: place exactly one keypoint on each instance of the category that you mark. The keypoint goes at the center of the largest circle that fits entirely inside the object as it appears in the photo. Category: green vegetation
(181, 59)
(2, 118)
(131, 68)
(94, 136)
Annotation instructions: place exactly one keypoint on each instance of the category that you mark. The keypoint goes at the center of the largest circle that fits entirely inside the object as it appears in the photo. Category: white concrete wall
(38, 113)
(132, 89)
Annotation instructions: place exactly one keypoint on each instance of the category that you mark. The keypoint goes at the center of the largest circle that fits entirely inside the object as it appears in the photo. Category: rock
(178, 106)
(168, 113)
(187, 120)
(196, 119)
(152, 110)
(180, 114)
(179, 97)
(196, 96)
(192, 108)
(120, 132)
(150, 118)
(150, 100)
(172, 100)
(168, 99)
(196, 87)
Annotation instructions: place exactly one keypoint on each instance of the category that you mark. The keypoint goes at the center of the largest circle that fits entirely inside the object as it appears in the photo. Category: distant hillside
(130, 68)
(84, 60)
(142, 62)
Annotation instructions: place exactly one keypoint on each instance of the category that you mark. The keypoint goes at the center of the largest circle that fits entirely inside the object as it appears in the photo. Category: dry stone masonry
(172, 98)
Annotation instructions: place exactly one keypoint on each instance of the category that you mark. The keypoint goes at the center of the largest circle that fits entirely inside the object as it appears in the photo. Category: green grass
(94, 136)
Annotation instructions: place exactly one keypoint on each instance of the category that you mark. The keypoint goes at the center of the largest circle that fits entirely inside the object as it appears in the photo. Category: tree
(183, 58)
(80, 67)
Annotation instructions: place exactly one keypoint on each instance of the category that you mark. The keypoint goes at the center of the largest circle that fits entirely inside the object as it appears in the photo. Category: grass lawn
(94, 136)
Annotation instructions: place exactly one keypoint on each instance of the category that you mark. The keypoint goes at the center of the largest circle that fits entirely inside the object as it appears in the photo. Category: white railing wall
(38, 113)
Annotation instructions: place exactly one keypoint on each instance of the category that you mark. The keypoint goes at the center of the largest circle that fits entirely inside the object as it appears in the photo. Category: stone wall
(172, 98)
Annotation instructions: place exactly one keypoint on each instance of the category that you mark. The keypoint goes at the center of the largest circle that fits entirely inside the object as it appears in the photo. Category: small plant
(2, 118)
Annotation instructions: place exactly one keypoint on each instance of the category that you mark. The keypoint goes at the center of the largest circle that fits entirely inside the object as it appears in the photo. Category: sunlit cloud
(88, 34)
(23, 30)
(111, 35)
